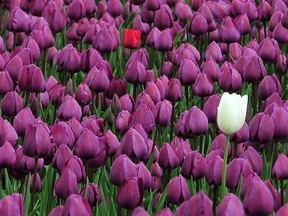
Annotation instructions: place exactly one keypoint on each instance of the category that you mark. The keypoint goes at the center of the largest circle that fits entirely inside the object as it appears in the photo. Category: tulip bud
(268, 86)
(66, 184)
(231, 112)
(11, 104)
(8, 156)
(210, 109)
(22, 120)
(93, 194)
(199, 204)
(213, 51)
(230, 80)
(61, 156)
(140, 55)
(163, 113)
(122, 121)
(76, 205)
(254, 159)
(198, 24)
(136, 73)
(131, 38)
(203, 86)
(174, 91)
(280, 171)
(133, 199)
(214, 168)
(12, 205)
(17, 20)
(144, 173)
(76, 165)
(69, 108)
(163, 40)
(56, 211)
(163, 17)
(177, 190)
(168, 157)
(14, 66)
(187, 72)
(230, 205)
(279, 117)
(144, 28)
(229, 32)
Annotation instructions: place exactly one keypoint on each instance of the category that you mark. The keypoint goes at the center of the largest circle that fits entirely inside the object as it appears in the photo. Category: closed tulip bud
(57, 211)
(199, 204)
(243, 24)
(210, 109)
(198, 24)
(280, 171)
(71, 61)
(144, 116)
(163, 41)
(94, 76)
(122, 164)
(114, 7)
(196, 122)
(279, 117)
(257, 131)
(89, 58)
(254, 159)
(214, 168)
(269, 50)
(177, 190)
(116, 86)
(230, 79)
(264, 9)
(83, 94)
(163, 17)
(165, 212)
(139, 211)
(6, 82)
(76, 10)
(136, 73)
(166, 69)
(174, 91)
(69, 108)
(230, 205)
(144, 98)
(231, 112)
(152, 90)
(194, 165)
(38, 183)
(44, 37)
(229, 32)
(93, 194)
(182, 11)
(12, 205)
(107, 39)
(61, 156)
(211, 69)
(213, 51)
(76, 165)
(144, 173)
(133, 199)
(37, 141)
(271, 103)
(163, 113)
(156, 170)
(280, 33)
(96, 125)
(265, 202)
(242, 135)
(153, 5)
(131, 38)
(168, 157)
(31, 79)
(281, 65)
(87, 145)
(11, 104)
(76, 205)
(282, 211)
(123, 120)
(219, 143)
(22, 120)
(14, 66)
(188, 72)
(140, 55)
(8, 155)
(30, 43)
(203, 86)
(17, 20)
(133, 145)
(66, 184)
(268, 86)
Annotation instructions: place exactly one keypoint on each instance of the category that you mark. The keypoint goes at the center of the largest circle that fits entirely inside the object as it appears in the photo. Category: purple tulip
(75, 164)
(177, 190)
(11, 135)
(254, 159)
(144, 173)
(268, 86)
(203, 85)
(163, 17)
(12, 205)
(57, 211)
(194, 165)
(214, 168)
(188, 72)
(17, 20)
(213, 51)
(230, 205)
(199, 205)
(66, 184)
(8, 155)
(210, 109)
(11, 104)
(282, 211)
(93, 192)
(76, 205)
(229, 32)
(168, 157)
(279, 118)
(69, 108)
(174, 90)
(163, 113)
(43, 37)
(30, 43)
(280, 171)
(230, 80)
(122, 121)
(269, 50)
(136, 73)
(14, 66)
(243, 24)
(61, 156)
(117, 86)
(198, 24)
(22, 120)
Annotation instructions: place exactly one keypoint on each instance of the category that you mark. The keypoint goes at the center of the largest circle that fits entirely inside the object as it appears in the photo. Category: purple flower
(69, 108)
(230, 205)
(76, 205)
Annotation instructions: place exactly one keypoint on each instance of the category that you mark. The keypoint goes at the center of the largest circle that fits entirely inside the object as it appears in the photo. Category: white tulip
(231, 112)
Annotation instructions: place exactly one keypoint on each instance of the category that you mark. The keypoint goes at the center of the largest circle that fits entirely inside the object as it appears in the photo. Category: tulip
(258, 190)
(219, 143)
(93, 192)
(75, 164)
(66, 184)
(279, 117)
(139, 211)
(140, 55)
(231, 112)
(203, 86)
(12, 205)
(163, 113)
(89, 58)
(14, 66)
(199, 204)
(136, 73)
(30, 43)
(144, 173)
(43, 37)
(76, 205)
(144, 28)
(6, 83)
(187, 72)
(122, 164)
(230, 205)
(213, 51)
(131, 38)
(229, 32)
(11, 136)
(144, 98)
(282, 211)
(168, 157)
(37, 141)
(261, 128)
(281, 65)
(163, 40)
(198, 24)
(8, 155)
(11, 104)
(134, 198)
(268, 86)
(69, 108)
(242, 135)
(22, 120)
(174, 91)
(280, 171)
(254, 159)
(107, 39)
(122, 121)
(17, 20)
(152, 90)
(61, 156)
(56, 211)
(243, 24)
(163, 17)
(177, 190)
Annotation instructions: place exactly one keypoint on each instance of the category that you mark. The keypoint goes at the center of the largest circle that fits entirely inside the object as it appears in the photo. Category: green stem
(215, 197)
(224, 171)
(33, 185)
(172, 122)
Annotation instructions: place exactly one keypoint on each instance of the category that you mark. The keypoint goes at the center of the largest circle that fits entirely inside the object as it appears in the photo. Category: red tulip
(131, 38)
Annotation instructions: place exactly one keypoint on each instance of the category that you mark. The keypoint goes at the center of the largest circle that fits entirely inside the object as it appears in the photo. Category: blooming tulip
(231, 112)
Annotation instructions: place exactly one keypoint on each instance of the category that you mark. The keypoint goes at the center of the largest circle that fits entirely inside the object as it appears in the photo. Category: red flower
(131, 38)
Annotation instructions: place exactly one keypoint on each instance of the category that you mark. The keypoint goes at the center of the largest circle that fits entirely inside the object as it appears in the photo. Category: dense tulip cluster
(143, 107)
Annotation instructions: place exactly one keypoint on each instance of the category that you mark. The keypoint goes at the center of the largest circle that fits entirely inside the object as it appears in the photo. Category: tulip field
(143, 107)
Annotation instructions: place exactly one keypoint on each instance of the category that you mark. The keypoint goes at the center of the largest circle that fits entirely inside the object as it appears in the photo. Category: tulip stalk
(224, 170)
(33, 185)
